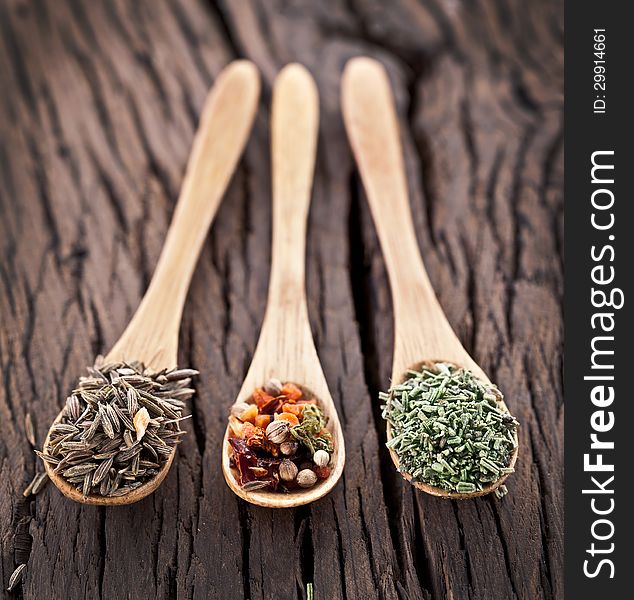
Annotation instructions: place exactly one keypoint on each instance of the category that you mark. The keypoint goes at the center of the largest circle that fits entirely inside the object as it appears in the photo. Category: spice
(274, 387)
(288, 448)
(306, 478)
(311, 432)
(288, 470)
(256, 484)
(16, 577)
(279, 441)
(238, 408)
(322, 472)
(277, 432)
(118, 428)
(448, 429)
(141, 421)
(29, 429)
(501, 491)
(321, 458)
(37, 483)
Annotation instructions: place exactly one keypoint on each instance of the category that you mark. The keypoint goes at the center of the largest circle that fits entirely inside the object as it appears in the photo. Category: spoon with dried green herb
(283, 445)
(449, 430)
(115, 439)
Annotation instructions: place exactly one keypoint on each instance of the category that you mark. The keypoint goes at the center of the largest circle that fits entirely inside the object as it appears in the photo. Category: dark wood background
(99, 104)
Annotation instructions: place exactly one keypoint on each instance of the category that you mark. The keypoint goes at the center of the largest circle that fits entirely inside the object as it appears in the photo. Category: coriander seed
(277, 431)
(306, 478)
(273, 386)
(288, 448)
(288, 470)
(321, 458)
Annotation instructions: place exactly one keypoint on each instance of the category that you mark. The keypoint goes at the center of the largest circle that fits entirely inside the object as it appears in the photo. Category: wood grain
(100, 104)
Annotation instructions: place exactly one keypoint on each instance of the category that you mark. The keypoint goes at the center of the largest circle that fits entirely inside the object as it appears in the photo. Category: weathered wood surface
(98, 108)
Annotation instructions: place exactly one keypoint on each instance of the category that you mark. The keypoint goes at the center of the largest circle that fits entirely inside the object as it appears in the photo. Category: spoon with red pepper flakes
(283, 446)
(279, 440)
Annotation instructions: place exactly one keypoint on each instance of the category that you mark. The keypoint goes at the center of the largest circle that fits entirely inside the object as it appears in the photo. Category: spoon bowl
(151, 337)
(296, 497)
(437, 491)
(285, 349)
(72, 493)
(421, 330)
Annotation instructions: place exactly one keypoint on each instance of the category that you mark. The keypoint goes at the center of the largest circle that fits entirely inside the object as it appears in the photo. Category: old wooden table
(98, 107)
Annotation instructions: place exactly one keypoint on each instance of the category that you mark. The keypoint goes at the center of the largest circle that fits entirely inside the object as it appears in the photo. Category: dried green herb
(119, 426)
(501, 491)
(448, 430)
(311, 433)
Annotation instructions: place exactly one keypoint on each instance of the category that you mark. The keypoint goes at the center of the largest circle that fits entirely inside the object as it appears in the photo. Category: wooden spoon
(152, 335)
(421, 331)
(285, 349)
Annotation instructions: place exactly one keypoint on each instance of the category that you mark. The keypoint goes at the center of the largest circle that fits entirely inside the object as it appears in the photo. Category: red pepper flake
(255, 457)
(322, 472)
(261, 398)
(259, 441)
(251, 467)
(269, 407)
(292, 392)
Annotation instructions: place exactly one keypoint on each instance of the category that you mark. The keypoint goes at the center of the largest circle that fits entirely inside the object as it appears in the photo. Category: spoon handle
(295, 115)
(285, 347)
(227, 116)
(421, 330)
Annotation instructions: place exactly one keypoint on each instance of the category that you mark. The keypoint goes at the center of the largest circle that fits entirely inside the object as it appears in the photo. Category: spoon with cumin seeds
(449, 419)
(285, 350)
(115, 439)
